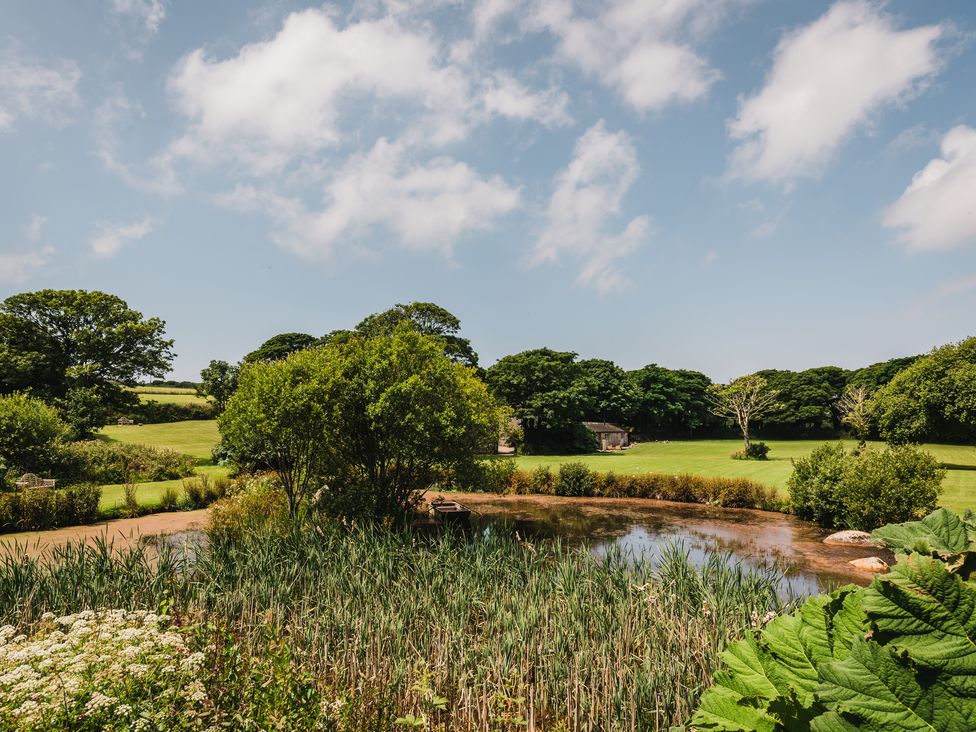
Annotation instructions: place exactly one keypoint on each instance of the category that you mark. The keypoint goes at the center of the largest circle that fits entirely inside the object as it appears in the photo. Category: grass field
(711, 457)
(698, 457)
(168, 395)
(195, 438)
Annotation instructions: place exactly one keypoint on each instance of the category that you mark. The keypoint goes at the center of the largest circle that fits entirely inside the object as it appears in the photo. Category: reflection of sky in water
(641, 533)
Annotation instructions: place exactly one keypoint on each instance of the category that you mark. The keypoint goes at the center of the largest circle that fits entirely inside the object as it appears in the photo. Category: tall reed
(384, 621)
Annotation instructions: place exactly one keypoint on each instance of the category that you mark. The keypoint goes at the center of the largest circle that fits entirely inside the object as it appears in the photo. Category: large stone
(870, 564)
(850, 538)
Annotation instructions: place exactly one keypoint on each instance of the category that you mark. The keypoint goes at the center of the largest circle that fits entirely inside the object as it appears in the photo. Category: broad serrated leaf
(941, 534)
(881, 693)
(750, 671)
(929, 614)
(723, 710)
(831, 722)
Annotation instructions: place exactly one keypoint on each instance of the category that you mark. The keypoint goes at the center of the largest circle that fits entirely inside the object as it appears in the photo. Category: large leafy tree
(370, 421)
(550, 396)
(30, 433)
(807, 399)
(613, 396)
(281, 346)
(218, 381)
(76, 349)
(426, 318)
(670, 402)
(934, 399)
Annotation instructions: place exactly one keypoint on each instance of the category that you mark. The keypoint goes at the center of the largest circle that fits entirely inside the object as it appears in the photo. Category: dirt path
(121, 532)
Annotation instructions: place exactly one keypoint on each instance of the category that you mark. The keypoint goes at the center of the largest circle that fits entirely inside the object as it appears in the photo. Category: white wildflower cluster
(111, 670)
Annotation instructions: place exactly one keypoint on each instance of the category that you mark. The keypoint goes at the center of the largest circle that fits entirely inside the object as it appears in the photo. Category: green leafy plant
(898, 655)
(755, 451)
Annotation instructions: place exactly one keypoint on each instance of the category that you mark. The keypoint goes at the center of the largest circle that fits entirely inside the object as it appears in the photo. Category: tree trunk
(745, 434)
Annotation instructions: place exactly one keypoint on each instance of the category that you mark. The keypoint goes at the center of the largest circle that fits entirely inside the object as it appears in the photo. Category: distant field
(711, 457)
(168, 395)
(195, 438)
(698, 457)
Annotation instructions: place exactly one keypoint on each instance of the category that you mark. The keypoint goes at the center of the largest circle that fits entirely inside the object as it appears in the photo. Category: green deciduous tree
(372, 420)
(75, 348)
(281, 346)
(743, 400)
(428, 319)
(670, 402)
(613, 396)
(218, 381)
(807, 401)
(932, 400)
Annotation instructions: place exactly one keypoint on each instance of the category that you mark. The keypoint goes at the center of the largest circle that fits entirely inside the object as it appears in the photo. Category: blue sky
(724, 185)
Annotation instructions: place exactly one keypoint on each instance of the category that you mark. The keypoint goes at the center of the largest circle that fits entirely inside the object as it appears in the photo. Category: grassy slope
(711, 457)
(700, 457)
(195, 438)
(168, 395)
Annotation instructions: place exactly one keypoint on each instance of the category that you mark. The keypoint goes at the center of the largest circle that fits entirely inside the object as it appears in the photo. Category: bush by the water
(576, 479)
(864, 489)
(894, 656)
(30, 434)
(313, 625)
(118, 462)
(201, 492)
(35, 509)
(755, 451)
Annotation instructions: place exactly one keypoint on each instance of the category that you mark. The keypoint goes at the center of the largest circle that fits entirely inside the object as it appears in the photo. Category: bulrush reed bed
(388, 630)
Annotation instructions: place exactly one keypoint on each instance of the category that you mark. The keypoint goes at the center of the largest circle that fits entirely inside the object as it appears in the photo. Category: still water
(642, 528)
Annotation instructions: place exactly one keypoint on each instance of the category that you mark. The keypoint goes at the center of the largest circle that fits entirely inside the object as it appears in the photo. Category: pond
(643, 528)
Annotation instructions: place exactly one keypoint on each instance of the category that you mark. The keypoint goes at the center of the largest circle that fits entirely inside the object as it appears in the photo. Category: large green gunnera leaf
(924, 611)
(941, 534)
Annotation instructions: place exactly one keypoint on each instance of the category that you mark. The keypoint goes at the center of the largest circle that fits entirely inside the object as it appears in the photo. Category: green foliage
(742, 401)
(218, 382)
(575, 479)
(202, 491)
(426, 318)
(258, 503)
(865, 489)
(275, 348)
(806, 400)
(490, 476)
(932, 400)
(755, 451)
(154, 412)
(670, 402)
(73, 348)
(372, 421)
(120, 462)
(613, 395)
(36, 509)
(30, 434)
(900, 654)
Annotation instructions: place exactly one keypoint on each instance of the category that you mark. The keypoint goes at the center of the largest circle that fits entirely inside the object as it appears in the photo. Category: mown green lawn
(195, 438)
(711, 457)
(698, 457)
(168, 395)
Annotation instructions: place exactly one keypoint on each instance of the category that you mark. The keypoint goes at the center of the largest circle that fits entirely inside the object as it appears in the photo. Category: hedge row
(576, 479)
(118, 462)
(153, 412)
(35, 509)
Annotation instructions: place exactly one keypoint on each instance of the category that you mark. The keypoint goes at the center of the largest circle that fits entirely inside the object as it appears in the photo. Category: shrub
(116, 462)
(36, 509)
(170, 499)
(543, 481)
(575, 479)
(153, 412)
(490, 476)
(865, 489)
(755, 451)
(259, 503)
(30, 434)
(201, 492)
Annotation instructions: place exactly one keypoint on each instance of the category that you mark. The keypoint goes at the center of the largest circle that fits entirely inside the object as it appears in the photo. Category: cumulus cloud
(938, 209)
(20, 266)
(283, 96)
(109, 238)
(427, 206)
(643, 49)
(506, 96)
(34, 91)
(827, 79)
(588, 194)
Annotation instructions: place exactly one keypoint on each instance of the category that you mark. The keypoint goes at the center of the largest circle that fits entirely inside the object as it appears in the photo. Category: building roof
(602, 427)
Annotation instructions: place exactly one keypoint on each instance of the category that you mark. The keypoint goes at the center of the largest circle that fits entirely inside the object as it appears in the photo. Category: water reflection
(642, 528)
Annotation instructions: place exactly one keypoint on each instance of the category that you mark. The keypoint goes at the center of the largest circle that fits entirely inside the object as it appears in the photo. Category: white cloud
(19, 266)
(486, 14)
(109, 238)
(644, 49)
(34, 91)
(282, 97)
(938, 209)
(35, 228)
(426, 206)
(506, 96)
(588, 193)
(957, 286)
(827, 79)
